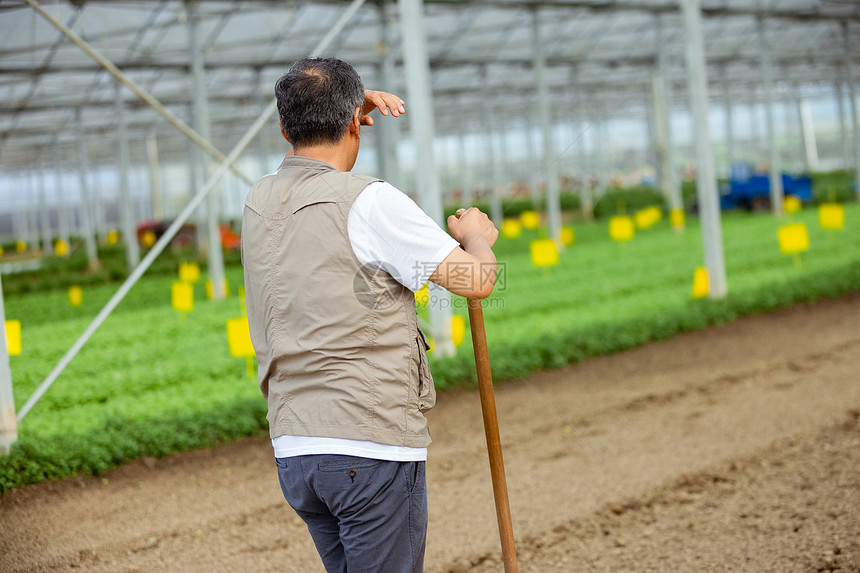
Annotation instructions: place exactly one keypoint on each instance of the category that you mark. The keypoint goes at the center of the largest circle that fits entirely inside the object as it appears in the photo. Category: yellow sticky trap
(676, 218)
(182, 296)
(13, 337)
(511, 229)
(791, 204)
(544, 252)
(112, 237)
(76, 296)
(1, 250)
(189, 272)
(210, 292)
(831, 216)
(20, 246)
(530, 219)
(621, 228)
(647, 217)
(422, 295)
(458, 329)
(793, 238)
(701, 283)
(239, 338)
(567, 236)
(61, 249)
(148, 239)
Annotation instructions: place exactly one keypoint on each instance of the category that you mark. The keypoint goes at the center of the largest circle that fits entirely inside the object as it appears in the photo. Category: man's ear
(355, 124)
(283, 131)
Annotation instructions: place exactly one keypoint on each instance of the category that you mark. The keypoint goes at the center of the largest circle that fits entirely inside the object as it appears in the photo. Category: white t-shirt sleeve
(388, 230)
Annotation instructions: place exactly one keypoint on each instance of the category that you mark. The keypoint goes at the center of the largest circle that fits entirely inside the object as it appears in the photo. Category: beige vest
(338, 347)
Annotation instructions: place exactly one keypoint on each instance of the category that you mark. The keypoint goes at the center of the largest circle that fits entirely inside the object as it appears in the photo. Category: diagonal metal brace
(148, 98)
(174, 227)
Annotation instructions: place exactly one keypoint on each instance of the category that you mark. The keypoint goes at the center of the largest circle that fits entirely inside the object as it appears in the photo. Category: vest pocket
(426, 389)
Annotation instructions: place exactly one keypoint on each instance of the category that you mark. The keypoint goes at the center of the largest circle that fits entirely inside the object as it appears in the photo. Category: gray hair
(316, 100)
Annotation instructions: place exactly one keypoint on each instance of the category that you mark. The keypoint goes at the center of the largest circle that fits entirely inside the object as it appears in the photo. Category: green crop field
(151, 381)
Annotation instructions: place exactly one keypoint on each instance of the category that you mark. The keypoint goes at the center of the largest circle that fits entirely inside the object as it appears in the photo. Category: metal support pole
(44, 213)
(791, 110)
(453, 161)
(604, 162)
(86, 206)
(776, 191)
(142, 184)
(24, 218)
(843, 132)
(200, 161)
(465, 172)
(852, 94)
(386, 129)
(263, 142)
(126, 212)
(665, 171)
(730, 129)
(794, 115)
(494, 166)
(386, 139)
(807, 130)
(706, 177)
(98, 211)
(585, 199)
(413, 35)
(32, 213)
(65, 226)
(532, 162)
(506, 165)
(154, 179)
(195, 159)
(598, 163)
(662, 99)
(16, 225)
(8, 421)
(755, 131)
(652, 142)
(201, 122)
(553, 199)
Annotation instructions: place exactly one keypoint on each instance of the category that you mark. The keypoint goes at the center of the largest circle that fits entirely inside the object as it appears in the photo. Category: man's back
(339, 350)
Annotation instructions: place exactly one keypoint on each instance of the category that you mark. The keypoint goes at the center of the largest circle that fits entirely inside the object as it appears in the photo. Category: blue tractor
(752, 192)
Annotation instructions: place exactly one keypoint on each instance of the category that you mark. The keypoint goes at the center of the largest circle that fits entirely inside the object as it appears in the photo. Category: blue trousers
(364, 515)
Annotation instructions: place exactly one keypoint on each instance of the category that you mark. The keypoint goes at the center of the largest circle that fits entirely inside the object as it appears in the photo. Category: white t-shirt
(386, 230)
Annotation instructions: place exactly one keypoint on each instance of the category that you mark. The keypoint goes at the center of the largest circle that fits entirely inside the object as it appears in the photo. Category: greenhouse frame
(115, 114)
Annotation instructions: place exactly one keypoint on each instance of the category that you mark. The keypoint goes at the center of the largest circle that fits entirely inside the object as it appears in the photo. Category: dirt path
(732, 449)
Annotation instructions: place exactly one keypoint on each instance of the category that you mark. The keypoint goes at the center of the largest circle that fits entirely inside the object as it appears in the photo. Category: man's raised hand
(383, 101)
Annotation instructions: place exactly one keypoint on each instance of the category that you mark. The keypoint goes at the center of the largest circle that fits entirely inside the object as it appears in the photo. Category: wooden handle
(491, 429)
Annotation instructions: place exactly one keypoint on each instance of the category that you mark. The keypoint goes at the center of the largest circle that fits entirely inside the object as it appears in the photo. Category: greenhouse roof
(600, 50)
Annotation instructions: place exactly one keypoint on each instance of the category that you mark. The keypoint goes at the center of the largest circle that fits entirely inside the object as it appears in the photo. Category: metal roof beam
(144, 95)
(436, 63)
(248, 99)
(108, 35)
(668, 7)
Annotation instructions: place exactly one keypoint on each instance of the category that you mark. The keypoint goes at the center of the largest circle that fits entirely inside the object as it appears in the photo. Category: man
(332, 260)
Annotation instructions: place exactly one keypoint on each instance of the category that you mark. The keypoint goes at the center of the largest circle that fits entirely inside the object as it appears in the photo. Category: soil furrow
(717, 450)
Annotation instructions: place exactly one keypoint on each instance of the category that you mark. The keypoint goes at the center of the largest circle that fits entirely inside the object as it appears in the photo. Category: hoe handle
(491, 428)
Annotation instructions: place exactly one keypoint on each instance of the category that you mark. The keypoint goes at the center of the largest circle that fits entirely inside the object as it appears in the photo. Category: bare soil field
(736, 448)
